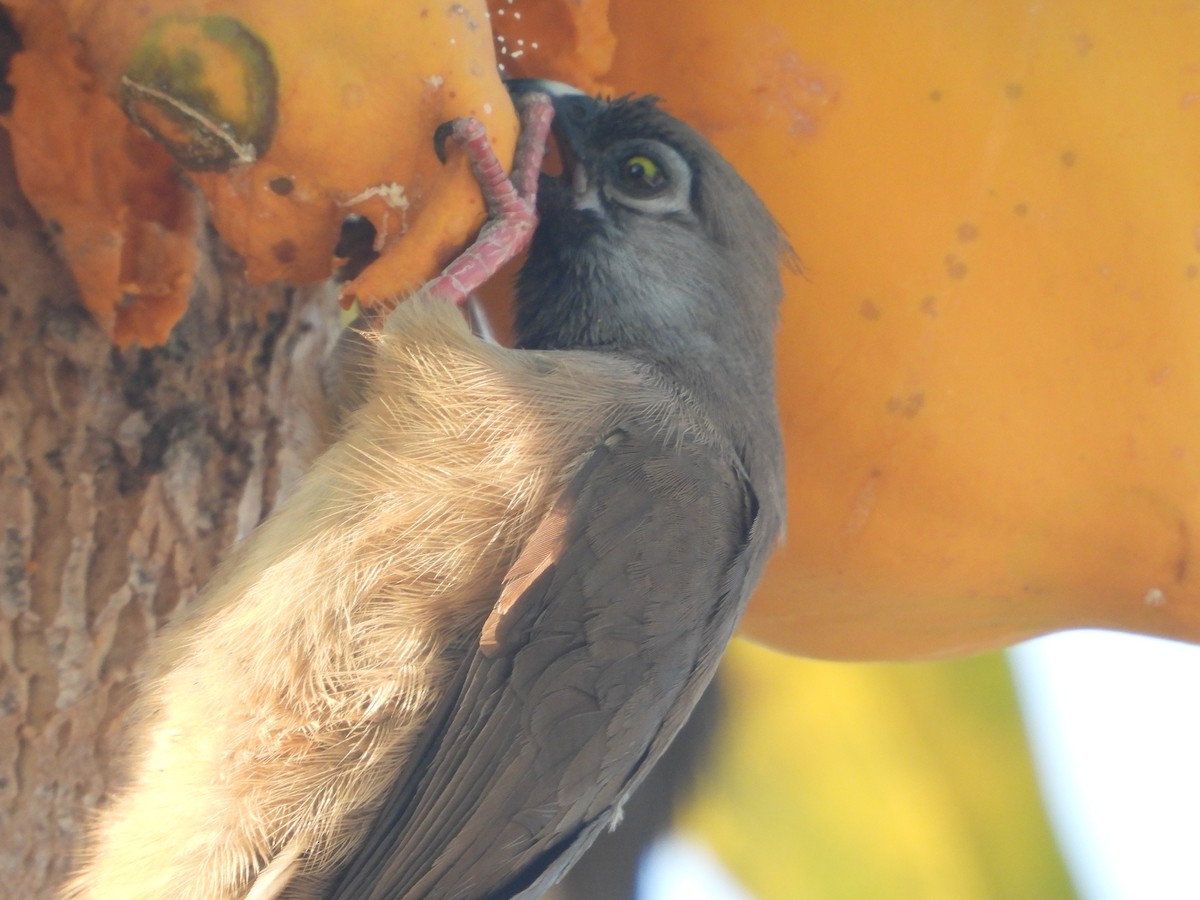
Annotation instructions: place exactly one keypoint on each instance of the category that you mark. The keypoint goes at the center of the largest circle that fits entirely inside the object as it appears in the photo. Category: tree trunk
(124, 476)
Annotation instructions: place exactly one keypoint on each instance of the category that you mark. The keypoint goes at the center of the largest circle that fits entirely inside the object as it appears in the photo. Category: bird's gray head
(649, 243)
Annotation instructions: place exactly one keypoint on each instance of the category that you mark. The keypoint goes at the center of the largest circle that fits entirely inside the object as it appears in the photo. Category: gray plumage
(662, 531)
(441, 666)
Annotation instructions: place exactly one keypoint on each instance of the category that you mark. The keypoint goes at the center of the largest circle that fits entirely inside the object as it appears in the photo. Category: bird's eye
(642, 175)
(648, 176)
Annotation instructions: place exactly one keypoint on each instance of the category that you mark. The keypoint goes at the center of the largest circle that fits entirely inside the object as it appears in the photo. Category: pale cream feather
(278, 712)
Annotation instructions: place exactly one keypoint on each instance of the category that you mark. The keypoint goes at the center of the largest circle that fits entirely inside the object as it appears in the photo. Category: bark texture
(124, 477)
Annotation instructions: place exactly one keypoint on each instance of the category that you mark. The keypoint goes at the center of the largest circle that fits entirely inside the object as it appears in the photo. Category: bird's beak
(555, 89)
(571, 107)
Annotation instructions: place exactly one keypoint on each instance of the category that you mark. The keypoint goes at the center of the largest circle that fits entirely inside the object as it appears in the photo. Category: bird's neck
(737, 394)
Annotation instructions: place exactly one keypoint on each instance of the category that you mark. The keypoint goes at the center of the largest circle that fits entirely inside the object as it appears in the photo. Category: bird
(440, 668)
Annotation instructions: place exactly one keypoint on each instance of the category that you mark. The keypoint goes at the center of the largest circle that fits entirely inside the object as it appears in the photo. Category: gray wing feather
(602, 657)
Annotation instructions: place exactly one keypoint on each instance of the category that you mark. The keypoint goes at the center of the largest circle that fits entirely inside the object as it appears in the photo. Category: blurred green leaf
(883, 781)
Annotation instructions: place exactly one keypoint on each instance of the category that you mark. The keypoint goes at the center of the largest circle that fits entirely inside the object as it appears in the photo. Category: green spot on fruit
(205, 87)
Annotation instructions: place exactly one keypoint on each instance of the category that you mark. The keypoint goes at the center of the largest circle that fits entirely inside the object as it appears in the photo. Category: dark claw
(440, 134)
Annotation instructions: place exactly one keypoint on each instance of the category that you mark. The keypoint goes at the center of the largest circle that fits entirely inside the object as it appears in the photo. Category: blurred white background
(1113, 719)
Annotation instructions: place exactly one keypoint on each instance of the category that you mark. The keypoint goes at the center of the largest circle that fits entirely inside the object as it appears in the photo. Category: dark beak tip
(555, 89)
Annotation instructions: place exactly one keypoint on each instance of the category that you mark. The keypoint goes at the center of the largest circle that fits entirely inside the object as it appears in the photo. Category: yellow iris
(642, 170)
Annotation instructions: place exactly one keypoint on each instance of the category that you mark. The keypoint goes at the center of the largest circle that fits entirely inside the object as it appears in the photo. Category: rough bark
(124, 476)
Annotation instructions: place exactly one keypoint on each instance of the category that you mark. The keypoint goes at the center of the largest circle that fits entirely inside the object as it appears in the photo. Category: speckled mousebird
(438, 670)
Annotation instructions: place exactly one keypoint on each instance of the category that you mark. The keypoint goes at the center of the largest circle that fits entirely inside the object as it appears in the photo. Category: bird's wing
(610, 626)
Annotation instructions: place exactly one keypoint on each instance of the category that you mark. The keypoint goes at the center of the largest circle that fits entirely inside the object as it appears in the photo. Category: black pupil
(636, 170)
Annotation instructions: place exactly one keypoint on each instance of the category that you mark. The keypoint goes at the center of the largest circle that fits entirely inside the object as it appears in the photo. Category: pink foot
(511, 202)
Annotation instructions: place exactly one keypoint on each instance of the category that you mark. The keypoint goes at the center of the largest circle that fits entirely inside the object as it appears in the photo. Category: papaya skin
(987, 370)
(289, 118)
(353, 130)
